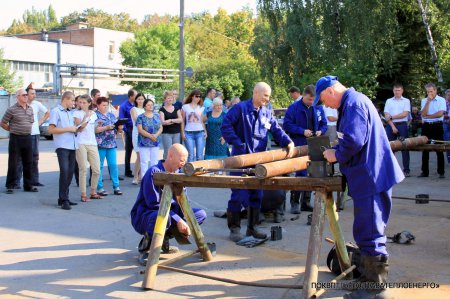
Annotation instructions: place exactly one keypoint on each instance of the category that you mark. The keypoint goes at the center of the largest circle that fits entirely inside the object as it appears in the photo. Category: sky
(135, 8)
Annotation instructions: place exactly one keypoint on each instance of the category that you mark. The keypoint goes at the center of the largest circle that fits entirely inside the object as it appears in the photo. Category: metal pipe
(245, 283)
(117, 68)
(240, 161)
(118, 74)
(339, 277)
(429, 199)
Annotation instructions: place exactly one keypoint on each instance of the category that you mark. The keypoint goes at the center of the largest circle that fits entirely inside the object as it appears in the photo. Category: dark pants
(128, 150)
(19, 149)
(34, 165)
(433, 131)
(66, 161)
(273, 200)
(402, 128)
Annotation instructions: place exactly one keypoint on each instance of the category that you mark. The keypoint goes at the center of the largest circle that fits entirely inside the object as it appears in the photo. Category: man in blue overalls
(366, 159)
(303, 120)
(245, 127)
(146, 207)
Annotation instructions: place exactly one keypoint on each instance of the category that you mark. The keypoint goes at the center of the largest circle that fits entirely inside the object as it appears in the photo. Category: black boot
(234, 224)
(166, 248)
(295, 202)
(278, 214)
(305, 198)
(375, 270)
(252, 221)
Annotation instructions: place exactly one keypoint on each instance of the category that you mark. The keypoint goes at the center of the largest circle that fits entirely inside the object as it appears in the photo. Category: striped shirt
(20, 120)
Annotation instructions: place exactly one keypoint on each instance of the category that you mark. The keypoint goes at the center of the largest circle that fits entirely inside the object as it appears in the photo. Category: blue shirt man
(62, 126)
(245, 127)
(366, 159)
(145, 209)
(303, 120)
(124, 112)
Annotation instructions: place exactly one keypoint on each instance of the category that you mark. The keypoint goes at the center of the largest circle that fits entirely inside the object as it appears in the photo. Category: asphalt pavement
(91, 250)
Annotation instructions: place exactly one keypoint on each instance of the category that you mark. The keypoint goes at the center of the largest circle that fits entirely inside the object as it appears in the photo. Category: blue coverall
(246, 129)
(145, 209)
(366, 159)
(296, 122)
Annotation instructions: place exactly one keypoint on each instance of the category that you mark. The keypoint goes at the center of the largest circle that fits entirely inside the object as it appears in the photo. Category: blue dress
(214, 148)
(151, 125)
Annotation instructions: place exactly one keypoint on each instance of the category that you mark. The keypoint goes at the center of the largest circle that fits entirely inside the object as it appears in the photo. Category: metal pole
(58, 80)
(181, 66)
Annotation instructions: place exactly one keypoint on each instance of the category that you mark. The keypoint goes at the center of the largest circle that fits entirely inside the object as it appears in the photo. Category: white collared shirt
(395, 106)
(436, 104)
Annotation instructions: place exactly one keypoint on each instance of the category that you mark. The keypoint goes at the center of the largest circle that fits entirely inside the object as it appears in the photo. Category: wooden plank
(314, 245)
(329, 184)
(157, 239)
(196, 231)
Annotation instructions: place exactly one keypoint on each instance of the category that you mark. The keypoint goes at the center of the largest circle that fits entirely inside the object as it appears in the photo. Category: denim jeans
(195, 144)
(447, 138)
(111, 157)
(168, 140)
(66, 161)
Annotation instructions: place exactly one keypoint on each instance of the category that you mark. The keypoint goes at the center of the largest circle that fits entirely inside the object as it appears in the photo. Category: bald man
(246, 127)
(145, 209)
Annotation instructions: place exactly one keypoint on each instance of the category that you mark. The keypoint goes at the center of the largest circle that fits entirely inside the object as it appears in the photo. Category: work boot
(234, 224)
(278, 214)
(375, 270)
(166, 248)
(295, 202)
(305, 198)
(252, 221)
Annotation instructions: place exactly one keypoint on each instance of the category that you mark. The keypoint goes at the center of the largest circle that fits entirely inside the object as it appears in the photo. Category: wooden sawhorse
(323, 204)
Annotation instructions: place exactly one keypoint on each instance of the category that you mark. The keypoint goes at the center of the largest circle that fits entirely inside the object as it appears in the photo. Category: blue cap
(322, 84)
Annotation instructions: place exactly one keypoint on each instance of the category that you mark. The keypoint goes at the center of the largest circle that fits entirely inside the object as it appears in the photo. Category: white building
(33, 56)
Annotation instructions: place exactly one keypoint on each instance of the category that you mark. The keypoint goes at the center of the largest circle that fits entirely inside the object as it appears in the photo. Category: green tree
(7, 80)
(153, 47)
(34, 21)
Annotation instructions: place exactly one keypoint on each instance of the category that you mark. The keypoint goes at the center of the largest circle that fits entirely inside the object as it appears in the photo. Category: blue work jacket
(296, 121)
(364, 153)
(124, 112)
(246, 128)
(149, 197)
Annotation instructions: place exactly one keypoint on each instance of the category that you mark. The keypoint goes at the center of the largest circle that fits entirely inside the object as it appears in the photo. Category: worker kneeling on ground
(145, 209)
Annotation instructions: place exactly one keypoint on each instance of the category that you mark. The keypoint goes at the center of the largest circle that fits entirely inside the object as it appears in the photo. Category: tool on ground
(276, 233)
(405, 237)
(251, 241)
(422, 198)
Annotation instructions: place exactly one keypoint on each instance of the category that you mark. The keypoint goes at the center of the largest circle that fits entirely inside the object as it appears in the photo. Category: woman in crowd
(87, 147)
(149, 128)
(171, 120)
(216, 147)
(137, 110)
(105, 133)
(193, 130)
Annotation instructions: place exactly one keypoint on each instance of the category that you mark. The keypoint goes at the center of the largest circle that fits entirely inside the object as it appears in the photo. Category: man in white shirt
(396, 112)
(331, 115)
(295, 93)
(38, 108)
(433, 108)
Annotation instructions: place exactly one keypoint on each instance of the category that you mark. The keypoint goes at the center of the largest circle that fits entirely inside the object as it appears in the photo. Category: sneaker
(422, 175)
(9, 191)
(407, 174)
(442, 176)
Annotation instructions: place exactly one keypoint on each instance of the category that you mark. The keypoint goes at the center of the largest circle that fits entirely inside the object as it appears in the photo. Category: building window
(112, 49)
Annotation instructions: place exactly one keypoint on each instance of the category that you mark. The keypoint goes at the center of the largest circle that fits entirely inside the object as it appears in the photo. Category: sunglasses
(197, 96)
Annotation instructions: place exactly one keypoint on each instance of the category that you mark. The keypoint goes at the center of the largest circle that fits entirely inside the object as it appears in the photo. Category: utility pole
(181, 66)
